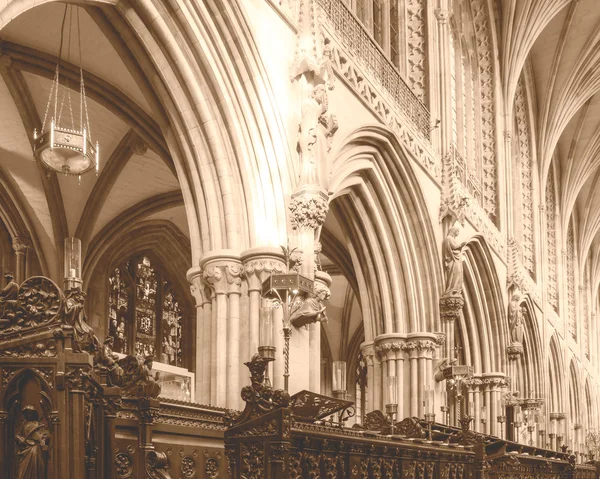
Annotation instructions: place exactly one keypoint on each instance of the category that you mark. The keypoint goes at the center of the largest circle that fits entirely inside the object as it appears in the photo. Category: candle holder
(564, 448)
(559, 440)
(501, 419)
(542, 434)
(552, 436)
(265, 337)
(530, 428)
(430, 418)
(391, 410)
(446, 412)
(518, 425)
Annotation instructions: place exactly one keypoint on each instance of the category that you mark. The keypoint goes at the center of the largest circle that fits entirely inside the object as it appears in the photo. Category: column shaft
(233, 352)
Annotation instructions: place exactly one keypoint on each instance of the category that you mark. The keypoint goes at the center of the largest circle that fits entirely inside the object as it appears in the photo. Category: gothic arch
(377, 199)
(530, 365)
(482, 328)
(555, 395)
(575, 409)
(207, 129)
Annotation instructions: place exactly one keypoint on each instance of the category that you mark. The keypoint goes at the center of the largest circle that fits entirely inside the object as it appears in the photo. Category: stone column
(485, 386)
(259, 264)
(202, 369)
(389, 349)
(222, 270)
(308, 210)
(450, 310)
(495, 382)
(411, 347)
(368, 352)
(443, 69)
(20, 247)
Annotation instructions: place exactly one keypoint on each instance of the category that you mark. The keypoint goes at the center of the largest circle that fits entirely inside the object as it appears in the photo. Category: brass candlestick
(391, 410)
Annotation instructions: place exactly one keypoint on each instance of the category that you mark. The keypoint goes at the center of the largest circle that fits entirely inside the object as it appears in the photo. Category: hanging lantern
(65, 143)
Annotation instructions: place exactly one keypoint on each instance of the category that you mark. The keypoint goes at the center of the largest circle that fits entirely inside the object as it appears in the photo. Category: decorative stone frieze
(440, 338)
(473, 384)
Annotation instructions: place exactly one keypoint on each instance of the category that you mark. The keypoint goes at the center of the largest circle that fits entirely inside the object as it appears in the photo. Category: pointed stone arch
(482, 329)
(378, 201)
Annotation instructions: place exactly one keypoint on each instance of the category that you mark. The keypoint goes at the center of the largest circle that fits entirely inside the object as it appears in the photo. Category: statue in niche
(311, 309)
(515, 319)
(76, 317)
(32, 440)
(8, 297)
(316, 128)
(452, 253)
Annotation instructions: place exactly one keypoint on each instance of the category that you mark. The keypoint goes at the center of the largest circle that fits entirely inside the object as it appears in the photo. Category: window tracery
(552, 286)
(485, 56)
(526, 170)
(145, 312)
(571, 282)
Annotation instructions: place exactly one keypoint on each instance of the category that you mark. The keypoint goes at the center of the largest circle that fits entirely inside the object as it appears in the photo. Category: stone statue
(32, 441)
(76, 317)
(452, 252)
(515, 319)
(8, 296)
(316, 127)
(310, 310)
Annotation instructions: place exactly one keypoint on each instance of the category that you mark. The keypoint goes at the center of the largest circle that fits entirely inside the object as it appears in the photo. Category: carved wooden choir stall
(72, 409)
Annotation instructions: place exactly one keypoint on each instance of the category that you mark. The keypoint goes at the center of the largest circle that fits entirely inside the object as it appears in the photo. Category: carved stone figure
(316, 127)
(8, 297)
(452, 252)
(32, 439)
(310, 310)
(515, 319)
(76, 317)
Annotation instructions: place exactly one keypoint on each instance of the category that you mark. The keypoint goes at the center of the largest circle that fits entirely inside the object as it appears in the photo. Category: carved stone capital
(442, 15)
(473, 384)
(451, 307)
(389, 350)
(440, 339)
(223, 274)
(368, 352)
(514, 351)
(259, 263)
(495, 382)
(20, 244)
(197, 285)
(558, 416)
(308, 210)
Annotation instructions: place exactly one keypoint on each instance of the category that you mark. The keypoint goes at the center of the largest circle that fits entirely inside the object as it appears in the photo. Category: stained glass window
(171, 329)
(145, 308)
(145, 311)
(118, 311)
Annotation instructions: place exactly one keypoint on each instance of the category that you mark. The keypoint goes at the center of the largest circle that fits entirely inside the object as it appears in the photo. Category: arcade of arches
(435, 163)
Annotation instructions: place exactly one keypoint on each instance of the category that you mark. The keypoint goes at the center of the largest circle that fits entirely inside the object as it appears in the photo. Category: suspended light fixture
(64, 144)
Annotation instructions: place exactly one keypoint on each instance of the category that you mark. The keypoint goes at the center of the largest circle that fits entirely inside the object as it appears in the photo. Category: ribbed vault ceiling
(135, 167)
(560, 40)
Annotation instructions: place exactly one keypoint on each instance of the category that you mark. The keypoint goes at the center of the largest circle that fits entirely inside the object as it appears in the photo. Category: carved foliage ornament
(36, 302)
(123, 464)
(308, 211)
